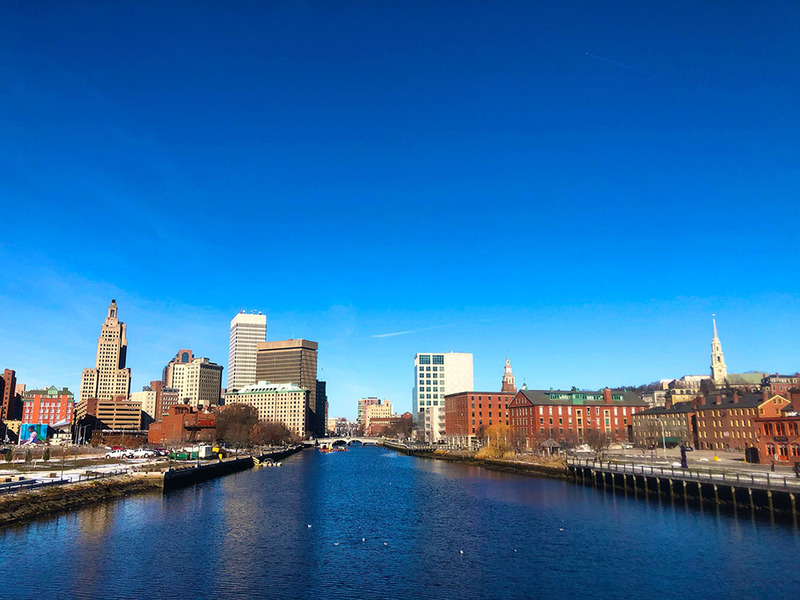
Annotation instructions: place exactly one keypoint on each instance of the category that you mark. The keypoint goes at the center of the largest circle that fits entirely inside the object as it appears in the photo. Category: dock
(759, 492)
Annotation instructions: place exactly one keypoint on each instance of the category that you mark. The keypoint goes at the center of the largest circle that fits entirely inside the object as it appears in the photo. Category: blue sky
(577, 185)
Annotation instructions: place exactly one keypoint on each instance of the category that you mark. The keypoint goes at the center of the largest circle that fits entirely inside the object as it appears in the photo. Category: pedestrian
(797, 469)
(772, 465)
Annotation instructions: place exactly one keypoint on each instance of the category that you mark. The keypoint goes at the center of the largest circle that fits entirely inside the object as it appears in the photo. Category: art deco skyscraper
(247, 330)
(109, 378)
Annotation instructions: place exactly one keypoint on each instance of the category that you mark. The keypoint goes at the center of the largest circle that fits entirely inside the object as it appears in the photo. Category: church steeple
(508, 379)
(719, 372)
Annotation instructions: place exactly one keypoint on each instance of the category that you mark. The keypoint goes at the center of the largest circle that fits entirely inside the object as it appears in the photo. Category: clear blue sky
(577, 185)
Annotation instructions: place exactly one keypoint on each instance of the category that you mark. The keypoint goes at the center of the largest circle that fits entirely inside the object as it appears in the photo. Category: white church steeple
(719, 372)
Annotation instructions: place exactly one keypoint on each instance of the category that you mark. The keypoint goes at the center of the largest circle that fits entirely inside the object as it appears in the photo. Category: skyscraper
(292, 361)
(719, 372)
(247, 330)
(109, 378)
(436, 375)
(10, 408)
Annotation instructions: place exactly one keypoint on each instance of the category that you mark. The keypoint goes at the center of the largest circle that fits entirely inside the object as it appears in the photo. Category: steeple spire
(508, 379)
(719, 372)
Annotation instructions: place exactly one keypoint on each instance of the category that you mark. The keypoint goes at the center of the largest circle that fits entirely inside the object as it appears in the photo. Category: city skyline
(577, 191)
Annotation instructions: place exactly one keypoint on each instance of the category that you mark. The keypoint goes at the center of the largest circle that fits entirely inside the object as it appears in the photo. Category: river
(370, 523)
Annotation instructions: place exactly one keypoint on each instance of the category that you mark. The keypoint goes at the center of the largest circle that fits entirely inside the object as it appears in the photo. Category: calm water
(384, 525)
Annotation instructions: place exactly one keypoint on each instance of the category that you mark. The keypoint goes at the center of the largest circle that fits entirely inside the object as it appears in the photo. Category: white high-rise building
(247, 330)
(436, 375)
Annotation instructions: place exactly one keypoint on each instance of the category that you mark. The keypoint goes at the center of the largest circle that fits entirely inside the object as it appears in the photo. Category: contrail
(613, 62)
(383, 335)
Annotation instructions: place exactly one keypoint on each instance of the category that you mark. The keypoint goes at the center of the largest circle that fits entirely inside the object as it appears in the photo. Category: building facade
(247, 331)
(198, 380)
(183, 425)
(11, 407)
(666, 425)
(376, 411)
(109, 377)
(435, 376)
(293, 361)
(781, 384)
(725, 421)
(363, 403)
(469, 414)
(778, 429)
(48, 406)
(276, 403)
(573, 417)
(156, 399)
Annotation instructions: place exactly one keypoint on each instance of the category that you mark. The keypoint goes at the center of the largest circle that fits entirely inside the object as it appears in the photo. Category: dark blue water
(383, 525)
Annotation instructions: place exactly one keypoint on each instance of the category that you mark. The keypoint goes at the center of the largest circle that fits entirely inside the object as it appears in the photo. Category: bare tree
(234, 423)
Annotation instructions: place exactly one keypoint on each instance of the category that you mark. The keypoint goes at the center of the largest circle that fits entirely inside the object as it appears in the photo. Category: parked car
(121, 453)
(143, 453)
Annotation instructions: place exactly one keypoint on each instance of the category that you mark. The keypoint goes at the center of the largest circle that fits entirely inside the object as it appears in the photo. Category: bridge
(362, 440)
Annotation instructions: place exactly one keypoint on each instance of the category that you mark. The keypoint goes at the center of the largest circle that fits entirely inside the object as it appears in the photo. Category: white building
(247, 330)
(275, 402)
(435, 376)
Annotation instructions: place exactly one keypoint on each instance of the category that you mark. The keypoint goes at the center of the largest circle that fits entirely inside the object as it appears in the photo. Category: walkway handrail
(768, 480)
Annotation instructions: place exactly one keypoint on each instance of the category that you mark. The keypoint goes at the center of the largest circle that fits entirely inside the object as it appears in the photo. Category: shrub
(46, 455)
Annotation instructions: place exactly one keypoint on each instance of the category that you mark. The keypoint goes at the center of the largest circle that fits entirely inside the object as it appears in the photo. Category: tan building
(198, 380)
(119, 413)
(376, 411)
(294, 361)
(276, 403)
(156, 399)
(110, 377)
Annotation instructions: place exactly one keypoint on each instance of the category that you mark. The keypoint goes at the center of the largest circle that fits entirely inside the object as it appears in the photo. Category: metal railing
(35, 484)
(754, 479)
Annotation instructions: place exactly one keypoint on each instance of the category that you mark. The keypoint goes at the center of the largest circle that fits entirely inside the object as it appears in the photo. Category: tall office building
(109, 378)
(198, 380)
(11, 406)
(292, 361)
(435, 376)
(247, 330)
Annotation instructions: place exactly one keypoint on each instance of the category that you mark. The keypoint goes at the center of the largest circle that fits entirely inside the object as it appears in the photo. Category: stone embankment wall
(28, 505)
(551, 469)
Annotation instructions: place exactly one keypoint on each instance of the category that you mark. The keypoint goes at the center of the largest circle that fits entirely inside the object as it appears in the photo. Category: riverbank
(552, 468)
(29, 505)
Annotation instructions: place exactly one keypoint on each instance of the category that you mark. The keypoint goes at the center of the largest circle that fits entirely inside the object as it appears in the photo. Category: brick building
(182, 425)
(11, 407)
(666, 425)
(468, 414)
(49, 406)
(781, 384)
(725, 420)
(778, 429)
(573, 417)
(401, 424)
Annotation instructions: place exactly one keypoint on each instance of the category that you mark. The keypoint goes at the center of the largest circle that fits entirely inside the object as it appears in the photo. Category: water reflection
(386, 525)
